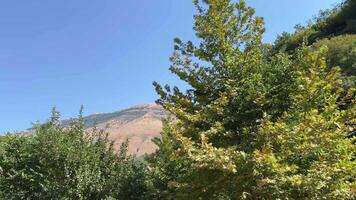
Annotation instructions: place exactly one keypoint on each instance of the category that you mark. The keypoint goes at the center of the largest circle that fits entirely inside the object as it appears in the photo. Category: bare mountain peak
(148, 106)
(140, 124)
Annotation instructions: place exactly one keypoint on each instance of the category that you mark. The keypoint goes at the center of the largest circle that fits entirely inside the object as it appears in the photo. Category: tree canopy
(252, 127)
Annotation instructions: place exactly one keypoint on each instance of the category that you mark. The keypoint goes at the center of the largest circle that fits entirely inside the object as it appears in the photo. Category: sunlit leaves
(250, 126)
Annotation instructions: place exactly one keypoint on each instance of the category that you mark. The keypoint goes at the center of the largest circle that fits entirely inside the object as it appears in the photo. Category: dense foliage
(67, 163)
(334, 28)
(252, 127)
(341, 53)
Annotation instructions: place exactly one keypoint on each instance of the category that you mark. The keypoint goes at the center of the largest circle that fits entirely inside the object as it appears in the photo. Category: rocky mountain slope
(139, 124)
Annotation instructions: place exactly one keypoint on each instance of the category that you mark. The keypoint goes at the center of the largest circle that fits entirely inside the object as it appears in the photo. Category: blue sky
(103, 54)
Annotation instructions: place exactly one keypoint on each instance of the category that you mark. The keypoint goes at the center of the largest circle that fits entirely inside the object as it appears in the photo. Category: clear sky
(103, 54)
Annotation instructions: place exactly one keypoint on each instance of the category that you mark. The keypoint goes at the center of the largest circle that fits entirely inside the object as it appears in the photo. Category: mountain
(139, 124)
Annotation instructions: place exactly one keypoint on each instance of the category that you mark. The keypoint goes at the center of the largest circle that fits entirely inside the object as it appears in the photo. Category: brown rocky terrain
(139, 124)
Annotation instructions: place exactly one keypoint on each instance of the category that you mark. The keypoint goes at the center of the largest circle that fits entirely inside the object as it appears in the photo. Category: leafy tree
(165, 168)
(58, 162)
(251, 127)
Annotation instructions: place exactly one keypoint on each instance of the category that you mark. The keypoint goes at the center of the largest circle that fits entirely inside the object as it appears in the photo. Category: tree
(252, 127)
(58, 162)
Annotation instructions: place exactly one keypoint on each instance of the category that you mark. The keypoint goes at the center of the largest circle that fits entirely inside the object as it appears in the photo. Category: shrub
(58, 162)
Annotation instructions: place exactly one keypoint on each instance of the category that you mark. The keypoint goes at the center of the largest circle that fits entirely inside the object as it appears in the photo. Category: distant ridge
(139, 124)
(122, 115)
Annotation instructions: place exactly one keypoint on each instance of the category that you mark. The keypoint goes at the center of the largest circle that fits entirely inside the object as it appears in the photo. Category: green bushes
(341, 52)
(67, 163)
(330, 23)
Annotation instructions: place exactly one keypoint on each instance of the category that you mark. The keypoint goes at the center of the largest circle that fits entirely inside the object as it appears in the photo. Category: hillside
(140, 124)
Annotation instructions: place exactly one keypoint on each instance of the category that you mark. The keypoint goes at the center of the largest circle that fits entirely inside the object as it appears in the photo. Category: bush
(330, 23)
(58, 162)
(341, 52)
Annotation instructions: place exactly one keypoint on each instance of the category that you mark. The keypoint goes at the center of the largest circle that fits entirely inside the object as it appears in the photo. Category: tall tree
(251, 127)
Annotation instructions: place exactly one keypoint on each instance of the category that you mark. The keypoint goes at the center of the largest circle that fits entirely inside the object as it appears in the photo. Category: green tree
(58, 162)
(252, 127)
